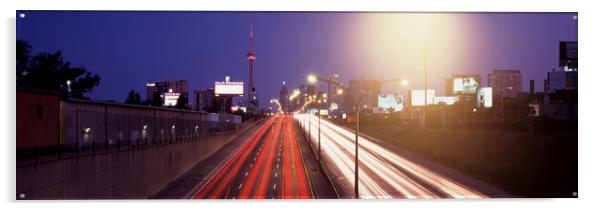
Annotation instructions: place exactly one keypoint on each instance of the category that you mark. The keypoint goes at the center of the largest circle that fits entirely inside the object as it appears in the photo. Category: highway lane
(267, 165)
(293, 183)
(383, 174)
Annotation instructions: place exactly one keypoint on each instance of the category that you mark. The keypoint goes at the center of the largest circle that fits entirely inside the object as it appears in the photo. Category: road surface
(268, 165)
(382, 173)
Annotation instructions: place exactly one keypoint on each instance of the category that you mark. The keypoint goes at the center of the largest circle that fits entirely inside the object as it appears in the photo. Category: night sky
(129, 49)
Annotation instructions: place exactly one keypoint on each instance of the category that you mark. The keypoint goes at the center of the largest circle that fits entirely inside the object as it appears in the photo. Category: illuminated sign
(446, 100)
(323, 112)
(467, 85)
(418, 97)
(387, 102)
(228, 87)
(485, 97)
(170, 99)
(334, 106)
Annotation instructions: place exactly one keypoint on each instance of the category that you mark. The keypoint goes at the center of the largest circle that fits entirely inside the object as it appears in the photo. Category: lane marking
(274, 186)
(247, 174)
(239, 186)
(276, 175)
(251, 165)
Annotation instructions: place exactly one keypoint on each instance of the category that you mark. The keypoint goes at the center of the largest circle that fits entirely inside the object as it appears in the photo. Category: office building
(355, 90)
(203, 99)
(506, 83)
(283, 99)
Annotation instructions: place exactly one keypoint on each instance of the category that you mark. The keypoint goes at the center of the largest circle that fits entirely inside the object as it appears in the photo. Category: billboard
(418, 97)
(333, 106)
(485, 97)
(446, 100)
(323, 112)
(229, 88)
(465, 85)
(170, 98)
(387, 102)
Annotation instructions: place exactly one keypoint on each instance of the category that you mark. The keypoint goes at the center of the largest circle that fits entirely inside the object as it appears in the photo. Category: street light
(312, 79)
(404, 82)
(68, 88)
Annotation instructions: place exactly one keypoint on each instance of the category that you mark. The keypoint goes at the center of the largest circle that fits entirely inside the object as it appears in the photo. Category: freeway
(269, 164)
(382, 173)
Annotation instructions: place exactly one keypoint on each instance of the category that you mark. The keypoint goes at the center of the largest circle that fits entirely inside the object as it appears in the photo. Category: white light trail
(383, 174)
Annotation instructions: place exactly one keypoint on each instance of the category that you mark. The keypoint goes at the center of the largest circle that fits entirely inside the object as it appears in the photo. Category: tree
(133, 98)
(182, 102)
(23, 55)
(157, 100)
(49, 71)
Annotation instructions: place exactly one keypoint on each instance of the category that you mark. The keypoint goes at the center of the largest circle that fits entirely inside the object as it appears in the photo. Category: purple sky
(129, 49)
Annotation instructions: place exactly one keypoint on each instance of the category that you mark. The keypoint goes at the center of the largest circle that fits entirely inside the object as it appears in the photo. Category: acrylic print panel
(123, 105)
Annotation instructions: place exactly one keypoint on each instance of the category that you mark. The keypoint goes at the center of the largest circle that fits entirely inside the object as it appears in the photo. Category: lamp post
(405, 83)
(324, 96)
(319, 133)
(425, 86)
(314, 79)
(309, 117)
(68, 88)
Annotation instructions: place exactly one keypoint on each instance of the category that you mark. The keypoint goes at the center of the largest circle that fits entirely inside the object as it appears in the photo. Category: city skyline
(128, 49)
(335, 126)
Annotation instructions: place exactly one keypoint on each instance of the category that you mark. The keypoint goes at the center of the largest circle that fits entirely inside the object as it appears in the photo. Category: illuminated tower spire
(251, 37)
(251, 99)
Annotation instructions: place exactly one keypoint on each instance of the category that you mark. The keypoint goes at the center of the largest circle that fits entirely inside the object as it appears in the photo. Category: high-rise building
(300, 101)
(203, 99)
(284, 98)
(252, 105)
(568, 55)
(311, 90)
(506, 83)
(356, 88)
(150, 90)
(560, 86)
(335, 100)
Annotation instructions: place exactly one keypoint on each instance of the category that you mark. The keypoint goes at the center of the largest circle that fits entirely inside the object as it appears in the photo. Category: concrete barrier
(130, 173)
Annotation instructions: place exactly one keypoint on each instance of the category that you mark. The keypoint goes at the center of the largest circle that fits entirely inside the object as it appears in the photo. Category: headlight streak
(338, 144)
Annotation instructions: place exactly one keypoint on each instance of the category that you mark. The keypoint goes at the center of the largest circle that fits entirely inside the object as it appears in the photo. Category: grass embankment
(524, 164)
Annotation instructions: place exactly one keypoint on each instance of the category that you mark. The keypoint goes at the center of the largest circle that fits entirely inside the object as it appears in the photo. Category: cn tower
(251, 57)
